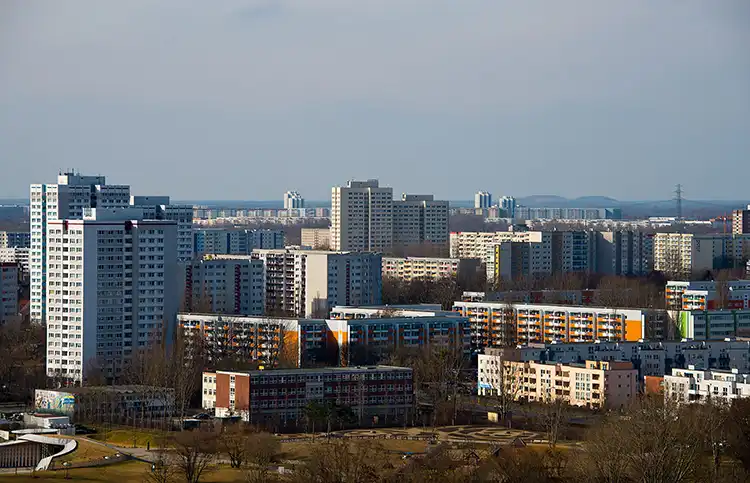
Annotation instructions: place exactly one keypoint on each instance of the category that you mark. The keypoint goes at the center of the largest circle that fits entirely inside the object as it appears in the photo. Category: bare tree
(262, 450)
(195, 452)
(161, 471)
(234, 442)
(338, 461)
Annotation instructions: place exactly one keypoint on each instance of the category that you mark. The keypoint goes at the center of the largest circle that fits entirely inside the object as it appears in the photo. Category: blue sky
(247, 99)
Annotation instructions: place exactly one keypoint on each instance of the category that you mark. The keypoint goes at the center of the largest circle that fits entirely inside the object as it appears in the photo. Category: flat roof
(321, 370)
(112, 389)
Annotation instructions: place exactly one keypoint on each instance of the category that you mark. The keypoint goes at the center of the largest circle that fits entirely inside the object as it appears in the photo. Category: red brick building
(375, 394)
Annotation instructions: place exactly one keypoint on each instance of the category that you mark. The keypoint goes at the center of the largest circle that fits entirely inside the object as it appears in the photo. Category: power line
(678, 200)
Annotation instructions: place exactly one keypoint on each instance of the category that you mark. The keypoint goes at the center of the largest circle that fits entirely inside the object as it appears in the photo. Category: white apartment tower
(362, 217)
(293, 200)
(308, 283)
(112, 289)
(65, 200)
(482, 200)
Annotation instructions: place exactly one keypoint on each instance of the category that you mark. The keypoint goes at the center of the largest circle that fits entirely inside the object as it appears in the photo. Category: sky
(245, 99)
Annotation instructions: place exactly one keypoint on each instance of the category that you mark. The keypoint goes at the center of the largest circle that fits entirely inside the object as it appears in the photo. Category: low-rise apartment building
(386, 311)
(707, 295)
(649, 358)
(502, 323)
(375, 394)
(16, 255)
(426, 268)
(713, 324)
(274, 341)
(593, 384)
(15, 239)
(699, 385)
(316, 238)
(108, 403)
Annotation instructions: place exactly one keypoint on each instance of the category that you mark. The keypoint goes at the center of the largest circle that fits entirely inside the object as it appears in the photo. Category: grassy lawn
(125, 437)
(302, 451)
(124, 472)
(87, 451)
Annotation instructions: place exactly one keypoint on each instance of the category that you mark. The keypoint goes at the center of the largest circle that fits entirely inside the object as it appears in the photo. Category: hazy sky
(246, 99)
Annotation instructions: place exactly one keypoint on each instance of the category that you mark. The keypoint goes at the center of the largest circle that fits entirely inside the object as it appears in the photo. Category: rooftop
(321, 370)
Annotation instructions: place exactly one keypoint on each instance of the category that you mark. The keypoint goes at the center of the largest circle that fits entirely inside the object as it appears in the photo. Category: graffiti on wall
(54, 401)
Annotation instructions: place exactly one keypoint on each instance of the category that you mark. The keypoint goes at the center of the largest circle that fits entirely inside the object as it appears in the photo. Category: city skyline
(426, 96)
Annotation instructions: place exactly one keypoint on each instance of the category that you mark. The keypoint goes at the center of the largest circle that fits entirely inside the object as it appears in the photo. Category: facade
(482, 200)
(741, 221)
(12, 239)
(502, 323)
(420, 220)
(111, 403)
(159, 208)
(8, 292)
(527, 213)
(686, 254)
(270, 341)
(293, 200)
(302, 342)
(362, 217)
(593, 384)
(16, 255)
(702, 295)
(112, 288)
(508, 204)
(713, 324)
(366, 218)
(310, 282)
(225, 286)
(425, 268)
(316, 238)
(649, 358)
(697, 385)
(364, 341)
(629, 253)
(65, 200)
(377, 394)
(222, 241)
(387, 311)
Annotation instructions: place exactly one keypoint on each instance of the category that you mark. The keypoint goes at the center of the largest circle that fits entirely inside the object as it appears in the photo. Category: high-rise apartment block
(112, 289)
(293, 200)
(686, 254)
(310, 282)
(362, 217)
(629, 253)
(593, 384)
(508, 204)
(365, 217)
(420, 220)
(316, 238)
(8, 292)
(65, 200)
(482, 200)
(225, 286)
(11, 239)
(159, 208)
(222, 241)
(741, 221)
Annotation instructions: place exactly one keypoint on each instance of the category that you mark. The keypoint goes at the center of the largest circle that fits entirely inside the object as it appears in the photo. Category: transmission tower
(678, 200)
